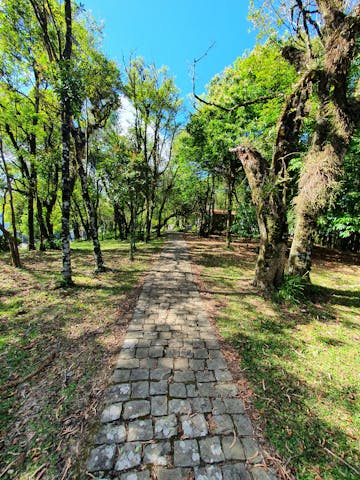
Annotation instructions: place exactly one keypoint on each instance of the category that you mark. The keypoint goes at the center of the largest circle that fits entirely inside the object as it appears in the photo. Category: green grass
(301, 361)
(46, 420)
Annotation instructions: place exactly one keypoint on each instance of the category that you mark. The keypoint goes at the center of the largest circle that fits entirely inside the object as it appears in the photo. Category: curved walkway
(173, 411)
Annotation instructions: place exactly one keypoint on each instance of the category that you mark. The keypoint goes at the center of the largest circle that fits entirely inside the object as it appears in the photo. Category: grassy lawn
(69, 337)
(301, 363)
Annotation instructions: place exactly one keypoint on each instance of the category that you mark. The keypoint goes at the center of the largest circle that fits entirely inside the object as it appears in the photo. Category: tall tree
(247, 100)
(100, 80)
(66, 117)
(123, 175)
(320, 27)
(156, 104)
(337, 119)
(213, 132)
(20, 85)
(11, 238)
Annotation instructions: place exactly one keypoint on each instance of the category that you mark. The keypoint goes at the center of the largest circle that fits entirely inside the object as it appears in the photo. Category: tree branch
(245, 103)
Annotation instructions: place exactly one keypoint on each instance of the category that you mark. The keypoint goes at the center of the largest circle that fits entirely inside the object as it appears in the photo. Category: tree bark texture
(80, 145)
(230, 194)
(336, 122)
(12, 239)
(30, 220)
(132, 232)
(271, 216)
(66, 115)
(42, 226)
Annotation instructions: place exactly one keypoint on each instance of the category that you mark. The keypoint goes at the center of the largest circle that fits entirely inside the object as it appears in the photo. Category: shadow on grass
(346, 298)
(291, 425)
(83, 325)
(55, 404)
(293, 400)
(325, 296)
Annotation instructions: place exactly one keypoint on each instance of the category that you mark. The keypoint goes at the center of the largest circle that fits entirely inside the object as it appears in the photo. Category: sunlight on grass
(77, 331)
(302, 362)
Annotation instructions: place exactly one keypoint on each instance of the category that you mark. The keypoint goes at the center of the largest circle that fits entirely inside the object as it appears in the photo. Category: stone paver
(172, 408)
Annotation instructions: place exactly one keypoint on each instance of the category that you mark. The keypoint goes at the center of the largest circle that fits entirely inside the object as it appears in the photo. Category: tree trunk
(66, 143)
(270, 207)
(270, 263)
(119, 222)
(229, 212)
(132, 232)
(160, 212)
(158, 226)
(76, 229)
(84, 222)
(32, 194)
(33, 174)
(80, 144)
(30, 219)
(13, 246)
(338, 118)
(12, 239)
(301, 246)
(49, 225)
(148, 221)
(44, 234)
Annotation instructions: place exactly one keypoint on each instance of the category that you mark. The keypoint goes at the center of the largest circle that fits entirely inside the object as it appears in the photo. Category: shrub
(292, 290)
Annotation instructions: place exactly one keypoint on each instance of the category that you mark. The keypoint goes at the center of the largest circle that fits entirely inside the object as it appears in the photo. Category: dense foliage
(129, 169)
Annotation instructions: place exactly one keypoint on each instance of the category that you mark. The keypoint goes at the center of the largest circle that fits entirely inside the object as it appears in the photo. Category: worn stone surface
(211, 472)
(129, 456)
(221, 424)
(157, 453)
(160, 373)
(136, 408)
(111, 434)
(128, 363)
(101, 458)
(210, 450)
(186, 453)
(140, 430)
(159, 405)
(194, 425)
(235, 471)
(172, 474)
(159, 388)
(166, 427)
(139, 373)
(252, 450)
(260, 473)
(177, 390)
(140, 390)
(179, 406)
(120, 376)
(145, 475)
(243, 425)
(111, 413)
(172, 408)
(205, 376)
(233, 449)
(234, 405)
(118, 393)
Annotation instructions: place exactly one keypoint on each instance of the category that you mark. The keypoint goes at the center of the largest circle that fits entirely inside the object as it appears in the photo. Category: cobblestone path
(173, 411)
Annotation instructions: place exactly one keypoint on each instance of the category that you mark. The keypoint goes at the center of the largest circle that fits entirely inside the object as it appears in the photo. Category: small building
(220, 219)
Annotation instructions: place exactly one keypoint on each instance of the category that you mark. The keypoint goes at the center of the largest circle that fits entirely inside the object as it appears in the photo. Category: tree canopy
(273, 138)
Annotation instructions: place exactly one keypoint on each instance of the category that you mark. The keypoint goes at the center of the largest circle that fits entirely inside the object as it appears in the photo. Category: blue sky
(174, 32)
